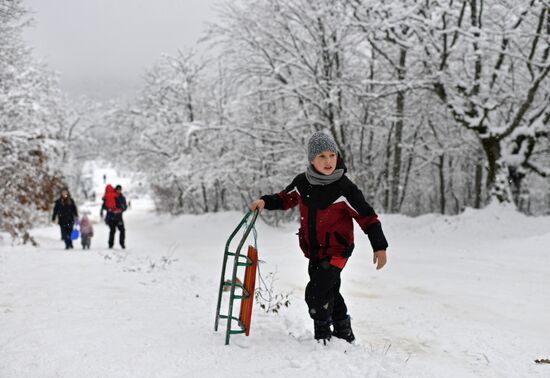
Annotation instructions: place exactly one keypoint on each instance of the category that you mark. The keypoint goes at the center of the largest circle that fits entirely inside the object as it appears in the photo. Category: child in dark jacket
(328, 203)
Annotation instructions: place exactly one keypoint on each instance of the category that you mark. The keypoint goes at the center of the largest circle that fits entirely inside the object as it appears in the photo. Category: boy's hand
(258, 204)
(380, 258)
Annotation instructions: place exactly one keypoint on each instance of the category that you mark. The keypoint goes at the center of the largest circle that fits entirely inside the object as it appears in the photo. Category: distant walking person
(86, 231)
(114, 203)
(66, 213)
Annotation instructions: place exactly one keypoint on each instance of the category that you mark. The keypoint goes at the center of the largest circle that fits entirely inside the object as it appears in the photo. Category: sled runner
(246, 287)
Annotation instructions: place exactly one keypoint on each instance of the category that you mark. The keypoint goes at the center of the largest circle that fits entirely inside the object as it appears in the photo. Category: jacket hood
(109, 188)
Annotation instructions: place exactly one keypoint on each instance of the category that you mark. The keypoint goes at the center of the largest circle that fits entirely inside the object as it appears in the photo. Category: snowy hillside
(463, 296)
(430, 106)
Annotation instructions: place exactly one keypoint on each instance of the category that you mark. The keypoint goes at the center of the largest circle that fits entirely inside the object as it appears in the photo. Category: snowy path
(462, 296)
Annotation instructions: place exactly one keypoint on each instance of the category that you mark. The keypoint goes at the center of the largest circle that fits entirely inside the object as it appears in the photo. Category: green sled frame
(238, 261)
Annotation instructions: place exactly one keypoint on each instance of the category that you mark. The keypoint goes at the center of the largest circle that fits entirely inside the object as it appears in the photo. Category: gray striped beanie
(318, 143)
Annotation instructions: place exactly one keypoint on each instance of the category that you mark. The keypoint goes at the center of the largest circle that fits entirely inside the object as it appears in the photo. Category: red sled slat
(249, 284)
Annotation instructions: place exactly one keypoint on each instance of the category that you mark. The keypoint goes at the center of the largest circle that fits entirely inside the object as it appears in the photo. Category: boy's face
(325, 162)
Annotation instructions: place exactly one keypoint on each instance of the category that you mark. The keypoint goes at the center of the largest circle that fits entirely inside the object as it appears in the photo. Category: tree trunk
(497, 173)
(451, 187)
(477, 185)
(399, 110)
(190, 109)
(516, 178)
(204, 198)
(441, 167)
(387, 189)
(408, 168)
(216, 196)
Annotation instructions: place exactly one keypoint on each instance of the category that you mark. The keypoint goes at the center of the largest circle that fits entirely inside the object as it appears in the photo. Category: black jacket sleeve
(376, 237)
(366, 217)
(55, 210)
(75, 210)
(272, 201)
(281, 201)
(121, 202)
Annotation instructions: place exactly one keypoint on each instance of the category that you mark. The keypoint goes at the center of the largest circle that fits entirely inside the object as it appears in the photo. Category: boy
(328, 203)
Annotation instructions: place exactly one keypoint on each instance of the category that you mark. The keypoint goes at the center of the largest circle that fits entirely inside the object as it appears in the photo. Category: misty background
(101, 48)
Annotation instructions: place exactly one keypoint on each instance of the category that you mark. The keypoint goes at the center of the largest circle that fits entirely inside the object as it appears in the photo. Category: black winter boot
(322, 330)
(342, 330)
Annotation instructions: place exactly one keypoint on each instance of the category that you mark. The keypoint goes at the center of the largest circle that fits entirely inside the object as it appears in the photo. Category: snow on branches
(426, 101)
(30, 119)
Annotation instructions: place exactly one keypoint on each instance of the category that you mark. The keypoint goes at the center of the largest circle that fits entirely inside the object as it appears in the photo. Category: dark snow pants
(66, 230)
(113, 225)
(86, 241)
(323, 292)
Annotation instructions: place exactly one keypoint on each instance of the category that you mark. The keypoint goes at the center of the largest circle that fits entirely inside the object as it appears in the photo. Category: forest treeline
(435, 105)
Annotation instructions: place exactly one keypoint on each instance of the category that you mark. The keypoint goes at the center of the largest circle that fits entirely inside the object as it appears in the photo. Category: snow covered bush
(27, 184)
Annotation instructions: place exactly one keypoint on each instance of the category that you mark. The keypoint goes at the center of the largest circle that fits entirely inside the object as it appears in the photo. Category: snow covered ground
(461, 296)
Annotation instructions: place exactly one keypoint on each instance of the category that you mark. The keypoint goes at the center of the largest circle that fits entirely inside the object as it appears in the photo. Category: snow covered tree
(295, 65)
(394, 77)
(164, 134)
(291, 51)
(31, 116)
(333, 66)
(489, 62)
(394, 83)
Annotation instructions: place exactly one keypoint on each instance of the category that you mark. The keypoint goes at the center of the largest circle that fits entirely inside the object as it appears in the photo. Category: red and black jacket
(326, 217)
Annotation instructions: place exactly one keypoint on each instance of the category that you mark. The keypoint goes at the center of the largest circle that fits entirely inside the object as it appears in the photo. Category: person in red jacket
(114, 203)
(329, 202)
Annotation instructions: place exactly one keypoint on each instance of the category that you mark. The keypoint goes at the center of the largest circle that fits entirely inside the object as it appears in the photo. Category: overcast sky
(102, 47)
